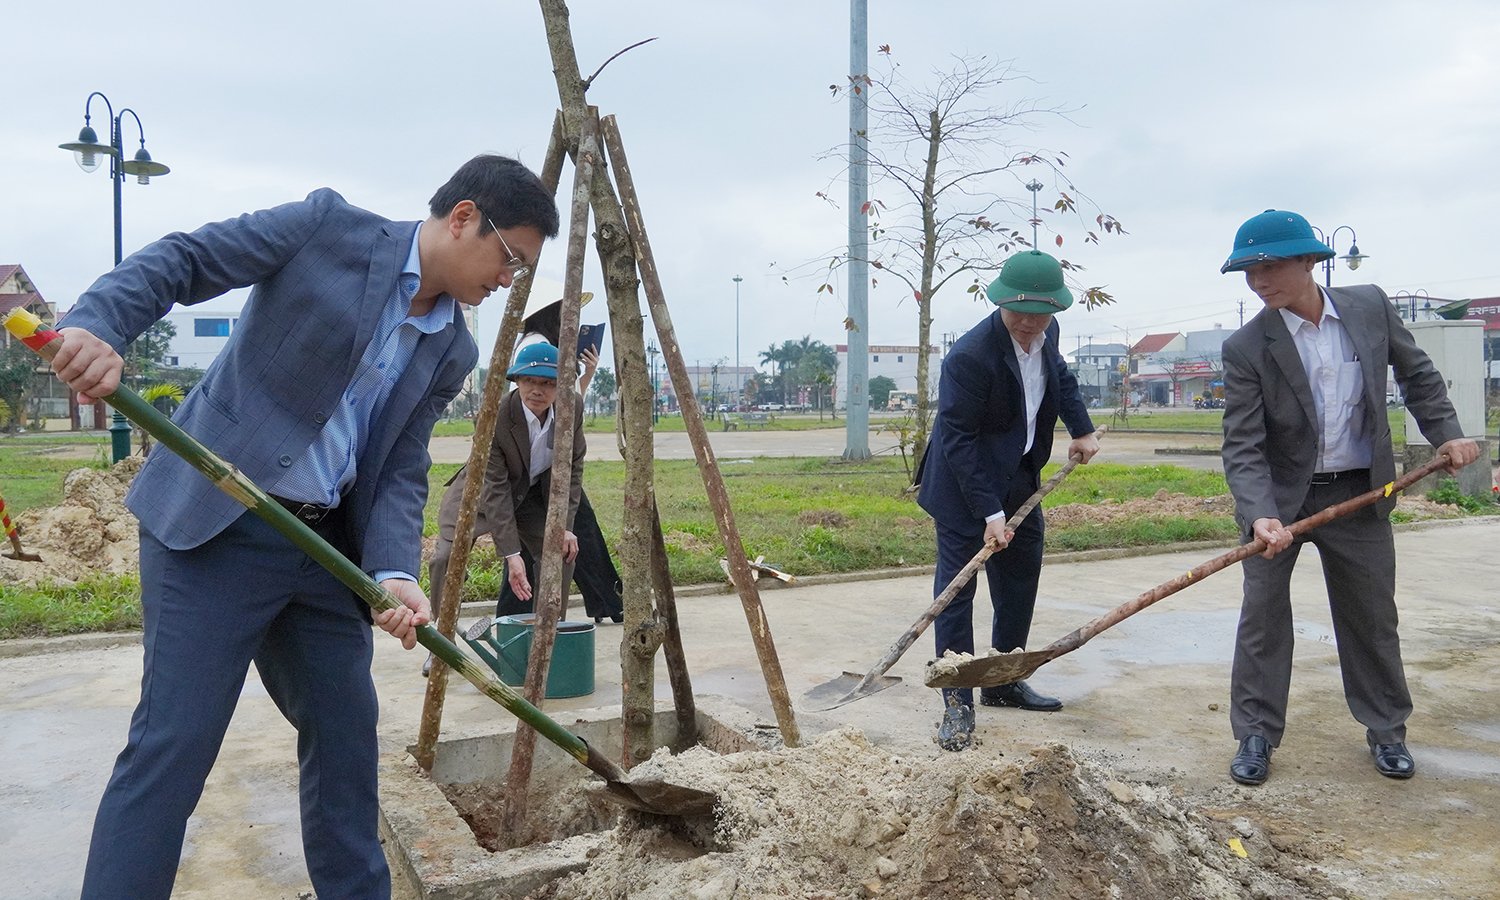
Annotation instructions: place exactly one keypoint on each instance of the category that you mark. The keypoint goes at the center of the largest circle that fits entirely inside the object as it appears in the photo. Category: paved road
(1147, 698)
(1130, 449)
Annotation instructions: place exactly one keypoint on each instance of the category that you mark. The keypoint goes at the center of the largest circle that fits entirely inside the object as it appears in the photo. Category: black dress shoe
(1393, 760)
(617, 618)
(1252, 765)
(956, 731)
(1019, 695)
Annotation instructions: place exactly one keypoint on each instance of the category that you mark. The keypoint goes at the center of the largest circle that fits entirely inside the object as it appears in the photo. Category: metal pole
(737, 279)
(119, 427)
(857, 417)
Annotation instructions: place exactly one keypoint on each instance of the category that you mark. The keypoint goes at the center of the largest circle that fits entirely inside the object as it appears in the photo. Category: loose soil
(89, 533)
(843, 818)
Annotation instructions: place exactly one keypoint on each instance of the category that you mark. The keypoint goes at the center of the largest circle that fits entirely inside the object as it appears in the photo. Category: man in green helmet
(1305, 428)
(1003, 386)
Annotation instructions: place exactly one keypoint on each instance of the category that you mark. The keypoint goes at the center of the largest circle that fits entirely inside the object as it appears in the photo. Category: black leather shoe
(1019, 695)
(617, 618)
(956, 731)
(1393, 760)
(1252, 765)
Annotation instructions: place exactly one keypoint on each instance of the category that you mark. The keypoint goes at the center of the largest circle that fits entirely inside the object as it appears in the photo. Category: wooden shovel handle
(941, 601)
(1124, 611)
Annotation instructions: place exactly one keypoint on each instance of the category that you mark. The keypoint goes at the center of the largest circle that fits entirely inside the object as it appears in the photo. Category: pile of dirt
(89, 533)
(842, 818)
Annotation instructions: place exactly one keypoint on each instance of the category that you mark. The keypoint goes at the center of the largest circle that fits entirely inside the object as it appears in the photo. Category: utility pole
(1242, 312)
(857, 419)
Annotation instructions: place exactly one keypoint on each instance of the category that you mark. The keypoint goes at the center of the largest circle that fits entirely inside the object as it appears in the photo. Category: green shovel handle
(231, 481)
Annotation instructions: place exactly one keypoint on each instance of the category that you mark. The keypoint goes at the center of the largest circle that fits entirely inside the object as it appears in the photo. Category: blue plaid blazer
(320, 271)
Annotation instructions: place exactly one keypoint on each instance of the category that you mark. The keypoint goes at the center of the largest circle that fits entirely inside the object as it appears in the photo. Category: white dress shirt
(1338, 388)
(541, 442)
(1033, 387)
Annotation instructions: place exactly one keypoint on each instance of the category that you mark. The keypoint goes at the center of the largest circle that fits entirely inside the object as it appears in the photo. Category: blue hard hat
(538, 360)
(1274, 234)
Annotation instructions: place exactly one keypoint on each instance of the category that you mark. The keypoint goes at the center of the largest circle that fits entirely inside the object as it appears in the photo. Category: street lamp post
(1353, 258)
(737, 279)
(87, 152)
(652, 351)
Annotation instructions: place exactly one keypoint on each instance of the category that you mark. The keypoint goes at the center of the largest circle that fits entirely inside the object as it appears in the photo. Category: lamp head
(1355, 257)
(143, 167)
(87, 149)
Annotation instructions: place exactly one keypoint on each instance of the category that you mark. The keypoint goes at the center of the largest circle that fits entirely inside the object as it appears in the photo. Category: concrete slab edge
(18, 647)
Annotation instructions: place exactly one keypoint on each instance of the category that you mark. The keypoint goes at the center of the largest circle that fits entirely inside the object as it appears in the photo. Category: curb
(16, 648)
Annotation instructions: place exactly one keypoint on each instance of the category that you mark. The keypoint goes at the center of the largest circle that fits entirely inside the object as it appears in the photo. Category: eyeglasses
(513, 261)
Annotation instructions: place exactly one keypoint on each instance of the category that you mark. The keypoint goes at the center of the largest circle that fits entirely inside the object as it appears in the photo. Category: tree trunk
(929, 264)
(617, 259)
(708, 466)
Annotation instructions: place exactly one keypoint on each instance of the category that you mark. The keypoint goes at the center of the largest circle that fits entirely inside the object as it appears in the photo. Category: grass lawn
(32, 470)
(817, 515)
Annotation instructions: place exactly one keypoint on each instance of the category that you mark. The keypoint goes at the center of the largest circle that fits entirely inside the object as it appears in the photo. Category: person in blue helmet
(517, 482)
(1002, 389)
(1305, 428)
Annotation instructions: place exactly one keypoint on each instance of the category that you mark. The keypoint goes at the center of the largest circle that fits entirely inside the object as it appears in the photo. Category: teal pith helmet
(538, 360)
(1030, 282)
(1274, 234)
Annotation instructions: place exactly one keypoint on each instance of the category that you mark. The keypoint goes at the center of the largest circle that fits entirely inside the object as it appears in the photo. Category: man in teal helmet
(1003, 386)
(1305, 428)
(513, 502)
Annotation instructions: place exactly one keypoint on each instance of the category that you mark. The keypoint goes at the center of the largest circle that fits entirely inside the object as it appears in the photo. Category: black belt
(1331, 477)
(311, 513)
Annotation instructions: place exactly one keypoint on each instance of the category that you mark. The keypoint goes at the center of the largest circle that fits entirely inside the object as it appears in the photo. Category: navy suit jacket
(321, 271)
(979, 436)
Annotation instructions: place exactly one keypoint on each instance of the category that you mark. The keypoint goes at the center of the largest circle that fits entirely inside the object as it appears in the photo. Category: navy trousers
(1013, 575)
(248, 594)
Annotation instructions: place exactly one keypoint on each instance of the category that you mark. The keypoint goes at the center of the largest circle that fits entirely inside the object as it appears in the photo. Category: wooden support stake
(550, 590)
(692, 416)
(479, 456)
(677, 671)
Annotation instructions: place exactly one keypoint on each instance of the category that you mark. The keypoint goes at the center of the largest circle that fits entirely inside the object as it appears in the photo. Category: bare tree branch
(587, 82)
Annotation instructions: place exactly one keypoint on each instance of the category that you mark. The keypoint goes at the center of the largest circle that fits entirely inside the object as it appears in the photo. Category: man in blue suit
(1004, 385)
(349, 347)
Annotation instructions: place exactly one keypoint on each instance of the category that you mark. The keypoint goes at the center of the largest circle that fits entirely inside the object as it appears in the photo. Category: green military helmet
(1030, 282)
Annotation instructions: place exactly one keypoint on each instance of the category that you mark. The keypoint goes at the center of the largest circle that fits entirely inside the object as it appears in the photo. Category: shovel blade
(662, 798)
(984, 671)
(845, 689)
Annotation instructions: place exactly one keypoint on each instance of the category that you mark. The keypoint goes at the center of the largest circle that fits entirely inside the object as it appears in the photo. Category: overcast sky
(1189, 118)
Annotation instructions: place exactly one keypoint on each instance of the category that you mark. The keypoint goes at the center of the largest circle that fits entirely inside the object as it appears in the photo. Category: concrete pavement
(1147, 698)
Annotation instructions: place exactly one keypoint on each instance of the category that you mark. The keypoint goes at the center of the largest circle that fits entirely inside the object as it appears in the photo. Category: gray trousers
(1359, 568)
(531, 523)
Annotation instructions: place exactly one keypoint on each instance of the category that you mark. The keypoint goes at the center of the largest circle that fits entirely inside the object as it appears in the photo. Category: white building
(898, 362)
(202, 330)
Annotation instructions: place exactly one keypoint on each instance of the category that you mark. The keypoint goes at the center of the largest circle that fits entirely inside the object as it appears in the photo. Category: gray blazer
(321, 271)
(507, 481)
(1270, 423)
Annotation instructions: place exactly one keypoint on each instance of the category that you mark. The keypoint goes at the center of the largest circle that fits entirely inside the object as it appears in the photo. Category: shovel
(1008, 668)
(651, 795)
(15, 538)
(851, 686)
